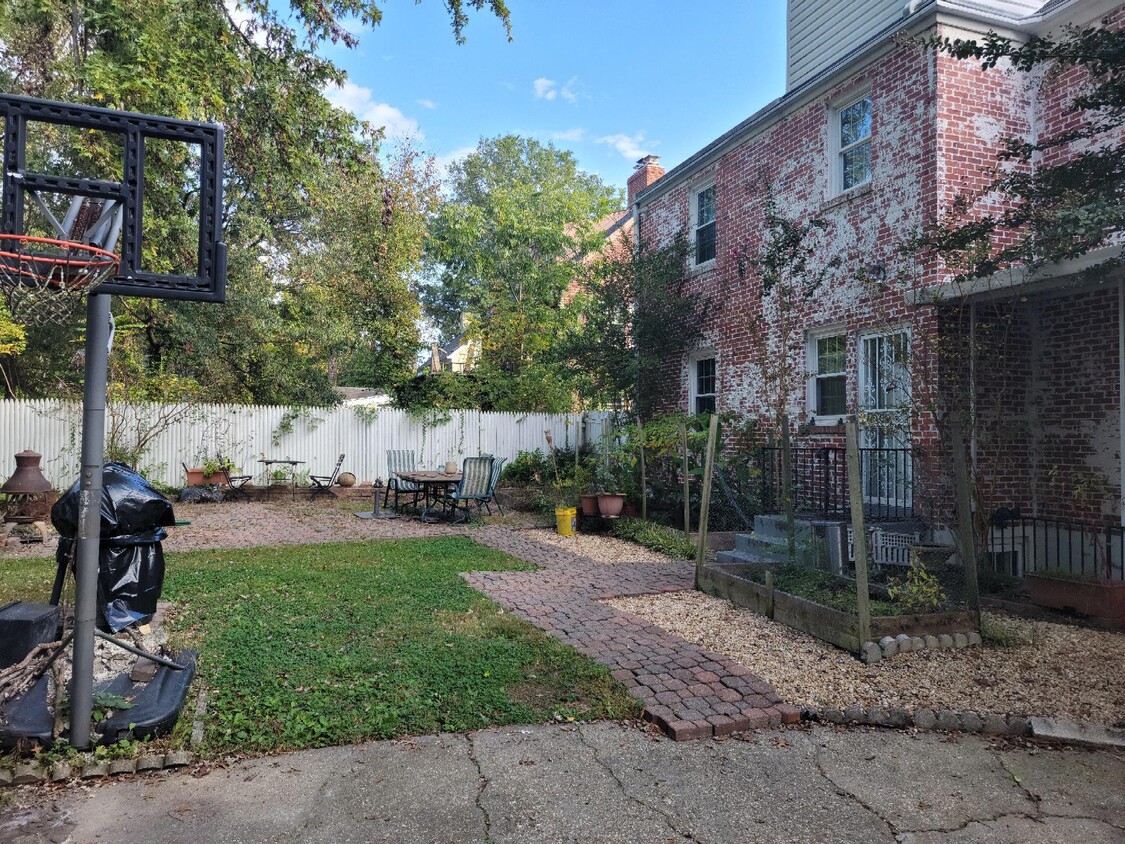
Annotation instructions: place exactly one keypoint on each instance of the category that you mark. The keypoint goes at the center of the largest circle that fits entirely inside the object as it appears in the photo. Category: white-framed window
(828, 380)
(703, 382)
(703, 223)
(851, 134)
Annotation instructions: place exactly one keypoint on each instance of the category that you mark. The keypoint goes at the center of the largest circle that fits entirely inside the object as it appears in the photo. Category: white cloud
(430, 104)
(358, 100)
(575, 134)
(545, 89)
(549, 89)
(444, 162)
(630, 146)
(567, 90)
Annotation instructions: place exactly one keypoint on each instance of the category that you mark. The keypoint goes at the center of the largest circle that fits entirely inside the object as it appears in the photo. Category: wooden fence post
(787, 490)
(859, 532)
(963, 492)
(644, 484)
(687, 485)
(705, 498)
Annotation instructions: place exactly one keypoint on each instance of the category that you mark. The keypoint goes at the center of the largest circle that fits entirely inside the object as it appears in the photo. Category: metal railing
(820, 481)
(1030, 544)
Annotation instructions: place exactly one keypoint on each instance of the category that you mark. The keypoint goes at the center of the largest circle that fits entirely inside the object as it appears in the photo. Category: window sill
(702, 268)
(847, 197)
(822, 429)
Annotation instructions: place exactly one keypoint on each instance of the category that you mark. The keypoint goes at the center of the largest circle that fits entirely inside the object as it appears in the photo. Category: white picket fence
(249, 433)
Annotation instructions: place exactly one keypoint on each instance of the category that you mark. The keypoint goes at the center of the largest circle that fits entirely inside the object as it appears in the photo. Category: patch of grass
(660, 538)
(26, 579)
(1004, 632)
(320, 645)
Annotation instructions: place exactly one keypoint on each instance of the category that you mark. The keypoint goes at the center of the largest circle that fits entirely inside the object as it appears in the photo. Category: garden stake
(859, 534)
(705, 500)
(687, 488)
(962, 485)
(644, 486)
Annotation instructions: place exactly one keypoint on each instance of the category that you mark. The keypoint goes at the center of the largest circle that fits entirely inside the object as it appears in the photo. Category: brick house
(876, 136)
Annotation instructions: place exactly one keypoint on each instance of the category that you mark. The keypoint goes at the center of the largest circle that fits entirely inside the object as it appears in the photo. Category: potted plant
(610, 502)
(588, 500)
(208, 472)
(214, 467)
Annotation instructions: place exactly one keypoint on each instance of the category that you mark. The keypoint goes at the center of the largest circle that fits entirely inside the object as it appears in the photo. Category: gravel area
(1064, 671)
(603, 549)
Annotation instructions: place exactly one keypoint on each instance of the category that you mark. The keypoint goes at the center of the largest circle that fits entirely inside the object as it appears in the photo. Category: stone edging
(945, 720)
(32, 773)
(888, 646)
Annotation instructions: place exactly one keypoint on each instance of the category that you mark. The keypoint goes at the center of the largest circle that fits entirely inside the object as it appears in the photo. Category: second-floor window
(853, 144)
(703, 221)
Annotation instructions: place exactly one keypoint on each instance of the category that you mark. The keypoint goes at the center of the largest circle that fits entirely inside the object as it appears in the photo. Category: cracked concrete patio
(607, 782)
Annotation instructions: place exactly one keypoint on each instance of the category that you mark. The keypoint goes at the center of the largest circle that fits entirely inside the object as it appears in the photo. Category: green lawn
(316, 645)
(327, 644)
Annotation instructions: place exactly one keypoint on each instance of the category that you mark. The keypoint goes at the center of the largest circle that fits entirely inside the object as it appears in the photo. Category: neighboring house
(617, 228)
(877, 136)
(363, 396)
(458, 355)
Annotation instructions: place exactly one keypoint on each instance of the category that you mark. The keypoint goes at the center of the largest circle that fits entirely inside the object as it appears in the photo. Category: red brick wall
(862, 231)
(938, 124)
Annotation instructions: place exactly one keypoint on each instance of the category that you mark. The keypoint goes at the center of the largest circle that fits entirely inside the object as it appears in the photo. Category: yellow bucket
(566, 519)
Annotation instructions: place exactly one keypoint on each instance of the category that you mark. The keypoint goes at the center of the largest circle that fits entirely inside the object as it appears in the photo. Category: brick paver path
(688, 691)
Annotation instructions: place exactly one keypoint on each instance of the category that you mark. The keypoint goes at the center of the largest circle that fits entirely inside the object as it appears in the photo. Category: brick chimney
(647, 171)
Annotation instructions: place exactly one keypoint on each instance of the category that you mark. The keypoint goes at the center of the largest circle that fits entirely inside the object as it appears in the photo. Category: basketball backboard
(80, 173)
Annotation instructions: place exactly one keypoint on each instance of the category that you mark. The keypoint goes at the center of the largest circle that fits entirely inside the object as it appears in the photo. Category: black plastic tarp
(130, 561)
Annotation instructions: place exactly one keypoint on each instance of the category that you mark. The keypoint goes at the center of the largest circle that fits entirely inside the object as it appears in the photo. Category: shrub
(920, 592)
(654, 536)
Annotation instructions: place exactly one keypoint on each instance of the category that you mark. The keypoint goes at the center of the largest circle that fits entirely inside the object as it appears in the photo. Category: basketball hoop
(43, 278)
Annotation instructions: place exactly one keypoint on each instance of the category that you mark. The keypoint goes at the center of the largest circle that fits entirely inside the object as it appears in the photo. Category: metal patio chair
(472, 491)
(400, 460)
(322, 484)
(235, 483)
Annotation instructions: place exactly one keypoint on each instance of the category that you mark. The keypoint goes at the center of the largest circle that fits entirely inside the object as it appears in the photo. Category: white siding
(247, 434)
(822, 31)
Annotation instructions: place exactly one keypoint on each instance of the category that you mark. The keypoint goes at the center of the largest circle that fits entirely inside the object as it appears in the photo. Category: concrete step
(750, 546)
(770, 527)
(751, 541)
(742, 558)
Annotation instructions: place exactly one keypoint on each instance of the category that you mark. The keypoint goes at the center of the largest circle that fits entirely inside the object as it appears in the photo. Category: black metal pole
(98, 337)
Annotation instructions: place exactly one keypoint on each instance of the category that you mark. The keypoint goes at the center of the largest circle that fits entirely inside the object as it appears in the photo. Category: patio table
(433, 485)
(290, 478)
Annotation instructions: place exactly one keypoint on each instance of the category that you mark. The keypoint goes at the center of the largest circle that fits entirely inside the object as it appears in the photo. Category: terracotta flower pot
(589, 504)
(610, 504)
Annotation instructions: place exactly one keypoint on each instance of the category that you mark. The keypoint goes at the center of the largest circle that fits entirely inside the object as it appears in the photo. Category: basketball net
(43, 279)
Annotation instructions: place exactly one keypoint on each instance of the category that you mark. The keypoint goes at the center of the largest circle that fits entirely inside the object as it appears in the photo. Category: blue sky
(609, 80)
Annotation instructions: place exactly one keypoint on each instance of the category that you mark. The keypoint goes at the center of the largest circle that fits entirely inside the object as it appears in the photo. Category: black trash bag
(130, 559)
(130, 578)
(130, 505)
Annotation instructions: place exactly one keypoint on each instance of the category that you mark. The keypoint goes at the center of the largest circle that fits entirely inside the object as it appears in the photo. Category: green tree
(506, 245)
(288, 153)
(637, 315)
